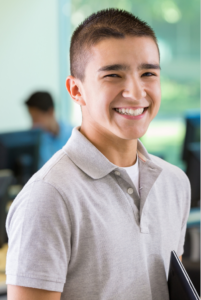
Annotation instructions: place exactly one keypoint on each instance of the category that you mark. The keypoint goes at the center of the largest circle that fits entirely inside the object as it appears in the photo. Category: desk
(3, 252)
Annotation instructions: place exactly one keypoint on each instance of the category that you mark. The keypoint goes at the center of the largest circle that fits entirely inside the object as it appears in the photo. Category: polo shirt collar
(91, 161)
(86, 156)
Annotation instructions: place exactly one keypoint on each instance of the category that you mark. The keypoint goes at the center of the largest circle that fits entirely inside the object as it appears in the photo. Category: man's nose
(134, 90)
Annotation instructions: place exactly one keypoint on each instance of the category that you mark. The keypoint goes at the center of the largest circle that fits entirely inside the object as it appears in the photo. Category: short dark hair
(40, 100)
(107, 23)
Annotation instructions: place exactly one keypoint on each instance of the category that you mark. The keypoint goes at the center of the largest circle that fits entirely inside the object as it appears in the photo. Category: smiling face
(120, 94)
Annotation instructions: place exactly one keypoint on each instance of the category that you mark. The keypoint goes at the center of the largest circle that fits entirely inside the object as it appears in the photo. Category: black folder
(179, 284)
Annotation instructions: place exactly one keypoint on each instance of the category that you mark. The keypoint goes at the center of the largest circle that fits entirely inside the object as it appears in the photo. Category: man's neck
(120, 152)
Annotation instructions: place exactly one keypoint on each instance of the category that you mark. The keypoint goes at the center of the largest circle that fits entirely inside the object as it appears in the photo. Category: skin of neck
(120, 152)
(53, 126)
(44, 120)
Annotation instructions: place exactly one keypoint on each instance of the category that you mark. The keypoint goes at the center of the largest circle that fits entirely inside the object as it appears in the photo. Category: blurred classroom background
(34, 56)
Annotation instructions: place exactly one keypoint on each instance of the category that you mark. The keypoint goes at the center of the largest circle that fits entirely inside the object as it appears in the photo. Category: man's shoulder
(166, 166)
(56, 171)
(169, 170)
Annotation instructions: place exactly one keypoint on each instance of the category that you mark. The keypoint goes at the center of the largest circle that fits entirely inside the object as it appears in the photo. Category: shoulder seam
(63, 154)
(53, 165)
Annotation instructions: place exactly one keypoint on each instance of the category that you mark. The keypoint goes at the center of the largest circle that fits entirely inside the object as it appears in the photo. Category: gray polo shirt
(80, 227)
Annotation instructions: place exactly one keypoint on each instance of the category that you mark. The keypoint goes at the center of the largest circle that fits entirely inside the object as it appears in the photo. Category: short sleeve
(39, 232)
(186, 210)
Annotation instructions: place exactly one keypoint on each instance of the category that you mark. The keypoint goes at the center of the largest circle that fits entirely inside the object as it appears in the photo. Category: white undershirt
(133, 173)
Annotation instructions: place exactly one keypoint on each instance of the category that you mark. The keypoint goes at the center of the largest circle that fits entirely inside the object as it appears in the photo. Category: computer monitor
(193, 172)
(22, 153)
(6, 178)
(192, 132)
(191, 154)
(3, 156)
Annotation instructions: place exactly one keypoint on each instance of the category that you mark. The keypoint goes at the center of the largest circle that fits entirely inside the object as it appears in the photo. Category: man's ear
(73, 86)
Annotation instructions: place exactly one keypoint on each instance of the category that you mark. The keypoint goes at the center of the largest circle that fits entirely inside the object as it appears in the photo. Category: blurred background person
(54, 133)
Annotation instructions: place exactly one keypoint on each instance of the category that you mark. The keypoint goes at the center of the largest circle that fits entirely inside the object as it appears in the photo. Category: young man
(99, 221)
(55, 134)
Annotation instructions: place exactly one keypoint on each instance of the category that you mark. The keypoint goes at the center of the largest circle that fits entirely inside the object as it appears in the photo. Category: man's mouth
(131, 111)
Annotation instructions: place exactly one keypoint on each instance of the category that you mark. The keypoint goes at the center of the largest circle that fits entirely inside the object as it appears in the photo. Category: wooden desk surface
(3, 252)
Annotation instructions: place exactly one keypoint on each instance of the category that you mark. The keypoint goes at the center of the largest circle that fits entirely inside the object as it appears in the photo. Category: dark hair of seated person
(41, 100)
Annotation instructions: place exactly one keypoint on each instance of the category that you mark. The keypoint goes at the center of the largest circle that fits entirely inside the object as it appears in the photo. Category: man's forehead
(135, 42)
(115, 54)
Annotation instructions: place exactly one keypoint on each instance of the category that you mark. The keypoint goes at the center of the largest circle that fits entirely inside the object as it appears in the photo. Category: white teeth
(131, 112)
(138, 111)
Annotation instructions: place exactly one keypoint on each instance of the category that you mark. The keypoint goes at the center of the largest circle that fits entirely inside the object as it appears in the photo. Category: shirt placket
(149, 173)
(130, 192)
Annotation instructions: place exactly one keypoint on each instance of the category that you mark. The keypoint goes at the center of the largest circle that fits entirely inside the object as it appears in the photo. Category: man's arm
(26, 293)
(180, 257)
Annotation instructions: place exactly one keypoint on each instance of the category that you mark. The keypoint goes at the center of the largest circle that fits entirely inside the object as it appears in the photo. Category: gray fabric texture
(74, 227)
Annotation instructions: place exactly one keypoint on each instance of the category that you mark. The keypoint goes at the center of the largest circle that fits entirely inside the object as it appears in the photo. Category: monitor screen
(22, 153)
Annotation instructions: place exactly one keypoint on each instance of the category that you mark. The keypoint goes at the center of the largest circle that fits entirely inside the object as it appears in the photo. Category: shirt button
(130, 191)
(117, 173)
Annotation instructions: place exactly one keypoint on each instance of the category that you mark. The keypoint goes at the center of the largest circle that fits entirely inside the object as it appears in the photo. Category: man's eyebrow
(149, 66)
(116, 67)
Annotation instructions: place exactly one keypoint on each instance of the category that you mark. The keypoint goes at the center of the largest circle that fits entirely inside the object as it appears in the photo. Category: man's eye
(148, 74)
(112, 75)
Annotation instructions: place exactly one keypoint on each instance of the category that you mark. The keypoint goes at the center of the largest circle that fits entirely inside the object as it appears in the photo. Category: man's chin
(131, 135)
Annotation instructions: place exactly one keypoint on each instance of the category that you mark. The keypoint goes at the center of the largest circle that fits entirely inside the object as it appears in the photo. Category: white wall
(29, 58)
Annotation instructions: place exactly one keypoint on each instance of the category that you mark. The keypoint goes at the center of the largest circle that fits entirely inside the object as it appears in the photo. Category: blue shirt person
(54, 134)
(49, 143)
